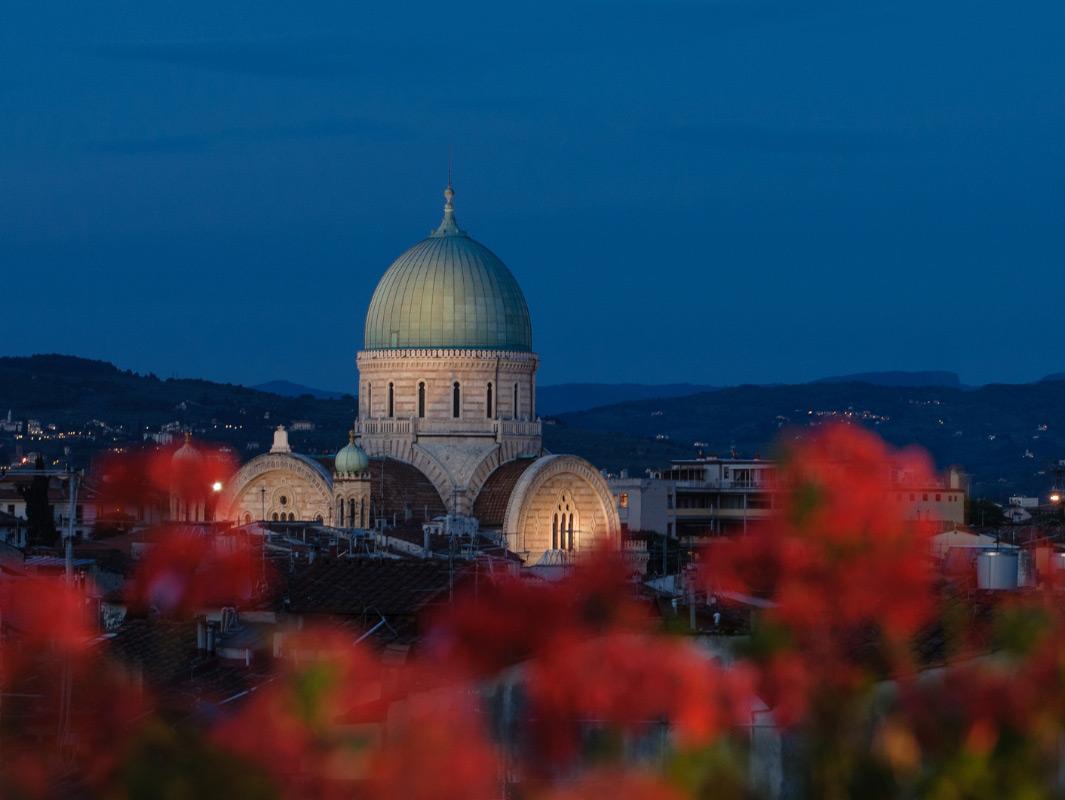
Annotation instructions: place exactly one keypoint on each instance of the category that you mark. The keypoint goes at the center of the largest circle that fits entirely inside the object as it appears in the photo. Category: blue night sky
(720, 192)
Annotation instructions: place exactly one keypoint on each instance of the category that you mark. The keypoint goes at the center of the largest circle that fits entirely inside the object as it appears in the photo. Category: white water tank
(996, 570)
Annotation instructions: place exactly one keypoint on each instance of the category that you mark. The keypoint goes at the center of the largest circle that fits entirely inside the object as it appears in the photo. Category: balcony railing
(449, 427)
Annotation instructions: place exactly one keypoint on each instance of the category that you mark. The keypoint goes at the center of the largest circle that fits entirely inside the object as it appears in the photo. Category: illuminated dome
(351, 459)
(448, 291)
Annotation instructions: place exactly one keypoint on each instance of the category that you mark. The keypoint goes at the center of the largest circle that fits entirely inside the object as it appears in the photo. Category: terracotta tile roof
(399, 490)
(491, 504)
(390, 587)
(165, 654)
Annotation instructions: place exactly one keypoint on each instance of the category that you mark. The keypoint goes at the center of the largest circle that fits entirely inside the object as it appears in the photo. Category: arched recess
(279, 469)
(533, 505)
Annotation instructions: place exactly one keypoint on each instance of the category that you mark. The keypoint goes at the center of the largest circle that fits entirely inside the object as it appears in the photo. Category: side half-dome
(187, 454)
(448, 291)
(351, 459)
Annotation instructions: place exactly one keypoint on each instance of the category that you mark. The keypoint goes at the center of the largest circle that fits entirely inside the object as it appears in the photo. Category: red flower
(184, 572)
(627, 680)
(294, 727)
(618, 785)
(513, 619)
(436, 750)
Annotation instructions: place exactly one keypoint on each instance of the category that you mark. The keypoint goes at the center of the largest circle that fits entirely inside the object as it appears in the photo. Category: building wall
(551, 487)
(351, 502)
(292, 488)
(644, 504)
(439, 370)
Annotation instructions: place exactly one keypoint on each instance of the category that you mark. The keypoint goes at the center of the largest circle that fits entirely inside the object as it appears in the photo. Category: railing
(725, 483)
(449, 427)
(386, 427)
(520, 427)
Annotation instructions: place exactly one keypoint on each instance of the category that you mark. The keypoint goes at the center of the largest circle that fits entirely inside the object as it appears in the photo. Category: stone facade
(278, 486)
(560, 503)
(454, 414)
(351, 501)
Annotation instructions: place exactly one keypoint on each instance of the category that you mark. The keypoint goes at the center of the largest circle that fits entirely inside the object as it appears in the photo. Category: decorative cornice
(432, 354)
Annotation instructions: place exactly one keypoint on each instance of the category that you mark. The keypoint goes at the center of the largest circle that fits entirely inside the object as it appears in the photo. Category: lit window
(623, 500)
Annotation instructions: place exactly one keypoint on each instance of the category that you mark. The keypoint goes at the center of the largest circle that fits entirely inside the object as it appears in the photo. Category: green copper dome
(448, 291)
(351, 459)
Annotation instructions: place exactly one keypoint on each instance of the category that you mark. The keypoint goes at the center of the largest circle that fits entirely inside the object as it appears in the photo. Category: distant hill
(70, 392)
(290, 389)
(899, 378)
(1005, 435)
(564, 397)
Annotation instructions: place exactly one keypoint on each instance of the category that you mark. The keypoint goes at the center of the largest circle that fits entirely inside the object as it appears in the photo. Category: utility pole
(72, 489)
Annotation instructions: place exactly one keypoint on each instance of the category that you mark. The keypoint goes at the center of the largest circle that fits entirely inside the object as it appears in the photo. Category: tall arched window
(456, 400)
(565, 522)
(488, 402)
(362, 513)
(421, 399)
(369, 399)
(517, 411)
(391, 399)
(554, 533)
(351, 513)
(340, 512)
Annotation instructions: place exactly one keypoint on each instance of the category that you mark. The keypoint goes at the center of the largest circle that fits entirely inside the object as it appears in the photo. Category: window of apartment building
(939, 497)
(623, 500)
(669, 500)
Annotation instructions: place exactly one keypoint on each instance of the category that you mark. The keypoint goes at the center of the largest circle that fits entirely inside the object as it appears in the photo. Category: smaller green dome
(351, 459)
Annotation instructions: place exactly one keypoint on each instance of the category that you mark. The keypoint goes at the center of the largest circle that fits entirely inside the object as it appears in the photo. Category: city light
(216, 486)
(1055, 497)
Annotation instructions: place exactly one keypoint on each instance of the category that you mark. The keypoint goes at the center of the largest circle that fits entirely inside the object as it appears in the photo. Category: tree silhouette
(41, 530)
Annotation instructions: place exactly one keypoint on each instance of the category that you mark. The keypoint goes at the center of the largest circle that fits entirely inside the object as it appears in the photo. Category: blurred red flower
(436, 750)
(618, 785)
(510, 620)
(186, 571)
(627, 680)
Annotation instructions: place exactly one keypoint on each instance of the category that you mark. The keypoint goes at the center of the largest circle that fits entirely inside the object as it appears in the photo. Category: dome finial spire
(448, 226)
